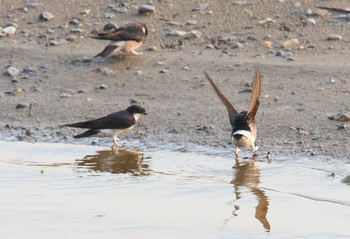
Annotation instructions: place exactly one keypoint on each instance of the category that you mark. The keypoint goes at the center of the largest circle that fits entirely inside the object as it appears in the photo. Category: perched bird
(112, 124)
(243, 123)
(124, 39)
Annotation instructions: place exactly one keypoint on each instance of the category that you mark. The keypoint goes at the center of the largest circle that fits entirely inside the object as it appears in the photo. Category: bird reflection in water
(248, 175)
(114, 161)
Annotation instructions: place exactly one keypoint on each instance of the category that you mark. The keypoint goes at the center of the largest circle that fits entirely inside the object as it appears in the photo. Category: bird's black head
(136, 109)
(241, 122)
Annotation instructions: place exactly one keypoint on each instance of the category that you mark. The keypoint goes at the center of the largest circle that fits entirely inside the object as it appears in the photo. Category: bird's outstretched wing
(254, 98)
(232, 112)
(117, 120)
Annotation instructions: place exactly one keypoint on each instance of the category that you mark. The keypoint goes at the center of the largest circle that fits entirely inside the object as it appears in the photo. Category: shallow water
(75, 191)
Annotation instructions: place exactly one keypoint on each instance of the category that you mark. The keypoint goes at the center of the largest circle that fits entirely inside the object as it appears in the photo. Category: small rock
(86, 12)
(209, 46)
(30, 71)
(193, 34)
(57, 42)
(163, 71)
(18, 91)
(334, 37)
(343, 117)
(46, 16)
(22, 105)
(332, 81)
(106, 71)
(290, 58)
(341, 127)
(267, 43)
(71, 38)
(33, 5)
(297, 4)
(152, 48)
(280, 53)
(7, 31)
(101, 87)
(120, 9)
(191, 22)
(11, 71)
(291, 43)
(238, 46)
(146, 9)
(266, 21)
(311, 22)
(110, 27)
(74, 22)
(77, 30)
(176, 33)
(200, 7)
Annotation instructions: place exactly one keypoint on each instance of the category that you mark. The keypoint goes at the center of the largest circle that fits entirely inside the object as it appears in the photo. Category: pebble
(152, 48)
(33, 5)
(110, 26)
(176, 33)
(266, 21)
(7, 31)
(101, 87)
(311, 22)
(238, 46)
(210, 46)
(297, 4)
(30, 71)
(11, 71)
(342, 127)
(267, 43)
(332, 81)
(193, 34)
(163, 71)
(343, 117)
(291, 43)
(280, 53)
(191, 22)
(22, 105)
(46, 16)
(106, 71)
(334, 37)
(86, 12)
(77, 30)
(74, 22)
(120, 9)
(146, 9)
(57, 42)
(71, 38)
(200, 7)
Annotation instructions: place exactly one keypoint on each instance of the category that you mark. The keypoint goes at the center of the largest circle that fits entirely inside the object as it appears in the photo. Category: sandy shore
(300, 89)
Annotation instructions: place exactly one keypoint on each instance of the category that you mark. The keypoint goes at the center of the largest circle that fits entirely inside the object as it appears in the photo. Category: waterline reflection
(248, 175)
(114, 161)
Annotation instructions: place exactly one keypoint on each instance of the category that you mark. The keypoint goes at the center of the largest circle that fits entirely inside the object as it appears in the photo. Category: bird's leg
(136, 53)
(237, 151)
(255, 148)
(116, 143)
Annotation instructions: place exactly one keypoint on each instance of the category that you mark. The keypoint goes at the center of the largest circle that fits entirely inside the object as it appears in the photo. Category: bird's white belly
(245, 141)
(126, 46)
(112, 132)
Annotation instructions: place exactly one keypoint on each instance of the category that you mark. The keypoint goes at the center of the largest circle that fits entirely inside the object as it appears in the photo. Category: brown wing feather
(232, 112)
(254, 98)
